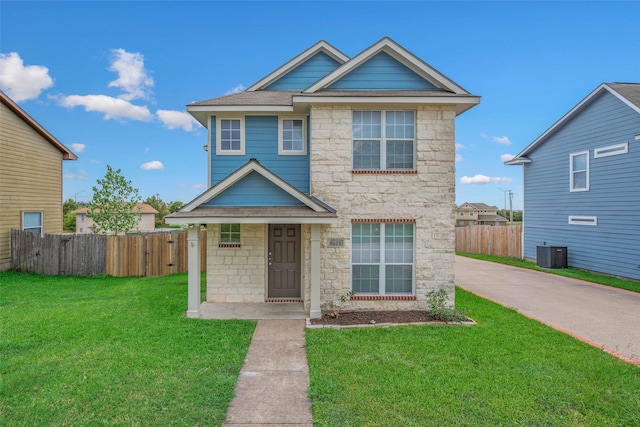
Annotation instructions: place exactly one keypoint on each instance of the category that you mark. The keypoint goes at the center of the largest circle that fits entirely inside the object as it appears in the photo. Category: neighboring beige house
(30, 177)
(331, 175)
(84, 224)
(478, 214)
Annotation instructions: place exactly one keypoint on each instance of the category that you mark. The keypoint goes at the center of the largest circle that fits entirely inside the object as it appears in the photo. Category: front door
(284, 261)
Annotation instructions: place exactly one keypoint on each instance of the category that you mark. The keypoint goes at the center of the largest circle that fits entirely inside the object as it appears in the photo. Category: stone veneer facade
(426, 197)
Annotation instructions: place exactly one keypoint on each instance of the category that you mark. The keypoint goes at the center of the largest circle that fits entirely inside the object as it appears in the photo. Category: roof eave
(518, 161)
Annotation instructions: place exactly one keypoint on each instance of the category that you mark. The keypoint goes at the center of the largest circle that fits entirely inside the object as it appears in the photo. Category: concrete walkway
(274, 380)
(604, 316)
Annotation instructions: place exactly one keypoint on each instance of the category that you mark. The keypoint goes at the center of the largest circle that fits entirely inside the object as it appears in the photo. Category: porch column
(193, 299)
(315, 272)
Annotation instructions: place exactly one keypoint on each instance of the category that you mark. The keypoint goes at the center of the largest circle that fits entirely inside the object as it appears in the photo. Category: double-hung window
(382, 258)
(230, 137)
(383, 140)
(579, 171)
(229, 235)
(32, 222)
(292, 136)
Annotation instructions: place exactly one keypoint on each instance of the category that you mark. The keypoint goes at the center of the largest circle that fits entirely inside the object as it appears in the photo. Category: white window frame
(22, 226)
(281, 150)
(383, 140)
(611, 150)
(382, 263)
(572, 188)
(583, 220)
(231, 234)
(219, 150)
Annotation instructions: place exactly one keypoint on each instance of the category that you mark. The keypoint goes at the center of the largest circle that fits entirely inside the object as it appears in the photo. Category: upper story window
(579, 171)
(32, 222)
(230, 136)
(292, 136)
(471, 213)
(383, 140)
(461, 213)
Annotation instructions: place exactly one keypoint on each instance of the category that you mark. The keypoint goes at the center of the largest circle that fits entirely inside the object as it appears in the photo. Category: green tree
(158, 204)
(69, 206)
(175, 206)
(112, 207)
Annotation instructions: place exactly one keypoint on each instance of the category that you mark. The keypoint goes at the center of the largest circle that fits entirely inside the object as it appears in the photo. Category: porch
(253, 311)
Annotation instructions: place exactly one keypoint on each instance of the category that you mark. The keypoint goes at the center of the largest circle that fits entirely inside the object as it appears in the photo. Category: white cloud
(459, 146)
(112, 108)
(147, 150)
(153, 165)
(80, 174)
(236, 89)
(21, 83)
(484, 136)
(506, 157)
(458, 158)
(94, 161)
(483, 179)
(176, 119)
(198, 186)
(183, 185)
(78, 148)
(132, 79)
(504, 140)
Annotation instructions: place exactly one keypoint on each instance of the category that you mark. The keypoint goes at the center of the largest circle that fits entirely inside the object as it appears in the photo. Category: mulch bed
(373, 317)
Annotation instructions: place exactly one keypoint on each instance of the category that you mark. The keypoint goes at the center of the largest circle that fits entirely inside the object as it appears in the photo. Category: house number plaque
(335, 243)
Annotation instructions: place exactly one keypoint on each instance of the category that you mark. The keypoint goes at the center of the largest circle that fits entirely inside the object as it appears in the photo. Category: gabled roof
(254, 166)
(479, 206)
(66, 153)
(141, 208)
(629, 93)
(400, 54)
(321, 46)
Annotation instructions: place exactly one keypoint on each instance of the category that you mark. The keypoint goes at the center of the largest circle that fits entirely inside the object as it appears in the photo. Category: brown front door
(284, 261)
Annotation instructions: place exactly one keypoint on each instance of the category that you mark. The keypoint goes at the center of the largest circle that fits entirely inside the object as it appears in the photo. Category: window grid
(230, 136)
(382, 258)
(229, 233)
(393, 149)
(32, 222)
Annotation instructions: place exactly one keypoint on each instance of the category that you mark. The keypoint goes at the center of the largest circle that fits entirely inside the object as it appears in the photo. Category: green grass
(112, 351)
(575, 273)
(507, 370)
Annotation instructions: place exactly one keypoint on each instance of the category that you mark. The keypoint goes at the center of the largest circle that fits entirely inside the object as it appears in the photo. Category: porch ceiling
(252, 215)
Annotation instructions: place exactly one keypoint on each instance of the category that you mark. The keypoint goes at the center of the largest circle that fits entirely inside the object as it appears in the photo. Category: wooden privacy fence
(152, 254)
(490, 240)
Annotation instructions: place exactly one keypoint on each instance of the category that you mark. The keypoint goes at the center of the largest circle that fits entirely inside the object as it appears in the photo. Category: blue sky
(111, 79)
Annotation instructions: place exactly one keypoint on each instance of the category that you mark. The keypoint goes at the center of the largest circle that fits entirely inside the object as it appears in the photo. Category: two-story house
(30, 177)
(478, 214)
(330, 175)
(147, 223)
(581, 183)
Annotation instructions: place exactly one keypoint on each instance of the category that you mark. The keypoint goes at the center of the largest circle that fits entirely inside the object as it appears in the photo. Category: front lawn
(107, 351)
(575, 273)
(506, 370)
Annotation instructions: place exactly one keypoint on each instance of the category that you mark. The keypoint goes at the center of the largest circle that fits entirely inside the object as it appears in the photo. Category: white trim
(583, 220)
(193, 276)
(240, 108)
(251, 166)
(22, 227)
(572, 172)
(219, 150)
(399, 53)
(251, 220)
(321, 46)
(314, 294)
(281, 150)
(611, 150)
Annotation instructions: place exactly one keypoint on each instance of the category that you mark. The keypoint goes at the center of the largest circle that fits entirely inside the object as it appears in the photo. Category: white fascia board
(518, 161)
(622, 98)
(250, 220)
(397, 52)
(321, 46)
(464, 103)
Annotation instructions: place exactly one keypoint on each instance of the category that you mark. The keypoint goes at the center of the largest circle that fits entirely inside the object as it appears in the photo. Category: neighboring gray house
(582, 183)
(331, 175)
(478, 214)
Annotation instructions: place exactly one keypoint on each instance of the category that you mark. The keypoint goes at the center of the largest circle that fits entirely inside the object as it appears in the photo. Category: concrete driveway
(604, 316)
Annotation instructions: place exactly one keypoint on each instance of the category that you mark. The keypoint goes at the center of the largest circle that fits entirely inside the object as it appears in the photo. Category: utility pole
(505, 200)
(511, 207)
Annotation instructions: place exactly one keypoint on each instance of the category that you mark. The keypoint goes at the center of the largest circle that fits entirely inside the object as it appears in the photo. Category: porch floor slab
(257, 311)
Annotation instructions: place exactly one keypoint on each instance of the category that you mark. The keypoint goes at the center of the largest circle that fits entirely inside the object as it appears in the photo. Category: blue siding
(254, 190)
(382, 72)
(305, 74)
(612, 246)
(261, 141)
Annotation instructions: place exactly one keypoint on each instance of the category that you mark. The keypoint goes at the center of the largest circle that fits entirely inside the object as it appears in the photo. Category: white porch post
(193, 299)
(315, 272)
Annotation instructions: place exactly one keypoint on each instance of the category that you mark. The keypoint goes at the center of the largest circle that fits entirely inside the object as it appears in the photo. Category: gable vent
(611, 150)
(583, 220)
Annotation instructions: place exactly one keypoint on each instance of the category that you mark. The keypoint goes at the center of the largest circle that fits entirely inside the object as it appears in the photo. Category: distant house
(582, 183)
(478, 214)
(84, 224)
(30, 177)
(330, 175)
